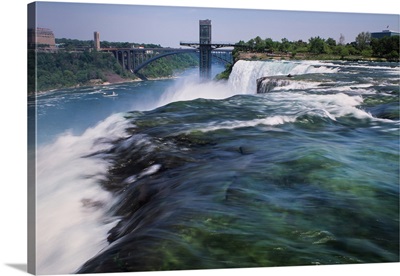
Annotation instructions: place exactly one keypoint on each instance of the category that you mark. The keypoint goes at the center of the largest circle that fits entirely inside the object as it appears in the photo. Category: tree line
(167, 66)
(364, 46)
(73, 44)
(67, 69)
(54, 70)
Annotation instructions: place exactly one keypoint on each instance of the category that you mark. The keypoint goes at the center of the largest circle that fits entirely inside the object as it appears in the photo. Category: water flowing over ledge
(245, 73)
(198, 171)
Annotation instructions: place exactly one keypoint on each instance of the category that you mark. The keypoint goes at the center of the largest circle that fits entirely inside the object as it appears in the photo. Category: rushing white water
(71, 221)
(298, 104)
(190, 89)
(242, 80)
(269, 121)
(245, 73)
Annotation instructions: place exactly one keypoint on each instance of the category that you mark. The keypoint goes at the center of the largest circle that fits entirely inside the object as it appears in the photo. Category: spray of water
(71, 210)
(243, 78)
(191, 88)
(72, 221)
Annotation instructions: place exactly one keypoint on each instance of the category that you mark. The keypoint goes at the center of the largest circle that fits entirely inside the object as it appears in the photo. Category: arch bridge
(135, 59)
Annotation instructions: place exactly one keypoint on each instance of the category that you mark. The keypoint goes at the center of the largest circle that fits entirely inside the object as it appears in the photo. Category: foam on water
(72, 224)
(268, 121)
(190, 89)
(337, 105)
(361, 89)
(72, 219)
(295, 85)
(245, 73)
(288, 107)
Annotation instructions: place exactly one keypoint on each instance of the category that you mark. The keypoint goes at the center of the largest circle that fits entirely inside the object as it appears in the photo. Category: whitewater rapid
(244, 75)
(71, 215)
(73, 210)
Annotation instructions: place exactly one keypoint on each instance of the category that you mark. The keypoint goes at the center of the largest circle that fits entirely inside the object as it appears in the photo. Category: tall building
(96, 41)
(41, 38)
(205, 48)
(384, 33)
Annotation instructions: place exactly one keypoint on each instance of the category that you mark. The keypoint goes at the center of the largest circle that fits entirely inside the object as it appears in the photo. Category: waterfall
(243, 78)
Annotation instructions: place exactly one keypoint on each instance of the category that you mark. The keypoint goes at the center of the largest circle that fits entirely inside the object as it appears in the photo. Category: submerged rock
(267, 84)
(293, 82)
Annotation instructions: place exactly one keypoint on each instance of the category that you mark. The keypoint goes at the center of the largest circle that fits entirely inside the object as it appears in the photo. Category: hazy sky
(168, 26)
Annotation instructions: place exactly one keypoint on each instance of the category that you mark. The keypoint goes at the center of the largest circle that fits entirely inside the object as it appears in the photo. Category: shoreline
(102, 84)
(114, 79)
(250, 56)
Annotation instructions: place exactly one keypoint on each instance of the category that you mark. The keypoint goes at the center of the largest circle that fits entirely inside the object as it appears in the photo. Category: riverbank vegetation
(364, 47)
(64, 68)
(168, 66)
(74, 44)
(316, 48)
(67, 69)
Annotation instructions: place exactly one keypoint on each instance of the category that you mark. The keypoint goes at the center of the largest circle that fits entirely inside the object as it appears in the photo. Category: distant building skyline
(384, 33)
(41, 37)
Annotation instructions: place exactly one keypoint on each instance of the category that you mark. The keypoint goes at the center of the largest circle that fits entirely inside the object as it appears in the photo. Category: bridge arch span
(147, 62)
(135, 59)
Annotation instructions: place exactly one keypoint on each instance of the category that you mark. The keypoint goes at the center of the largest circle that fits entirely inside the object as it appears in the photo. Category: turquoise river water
(178, 174)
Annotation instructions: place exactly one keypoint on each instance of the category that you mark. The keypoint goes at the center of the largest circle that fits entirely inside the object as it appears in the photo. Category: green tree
(269, 45)
(393, 56)
(69, 77)
(386, 47)
(251, 44)
(342, 50)
(300, 46)
(317, 45)
(331, 42)
(351, 48)
(285, 45)
(363, 41)
(259, 44)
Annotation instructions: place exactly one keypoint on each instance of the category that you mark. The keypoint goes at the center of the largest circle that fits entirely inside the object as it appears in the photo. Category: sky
(168, 25)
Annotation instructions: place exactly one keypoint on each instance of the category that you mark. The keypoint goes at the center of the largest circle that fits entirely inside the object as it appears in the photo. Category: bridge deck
(212, 45)
(134, 59)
